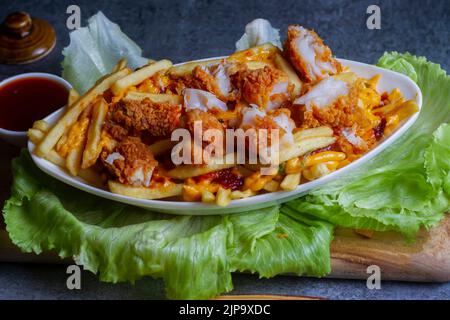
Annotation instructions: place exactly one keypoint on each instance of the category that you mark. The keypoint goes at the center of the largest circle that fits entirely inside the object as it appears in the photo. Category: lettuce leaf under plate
(194, 255)
(407, 185)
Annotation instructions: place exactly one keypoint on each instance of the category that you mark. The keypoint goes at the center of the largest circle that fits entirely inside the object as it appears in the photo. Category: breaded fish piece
(334, 103)
(131, 162)
(330, 102)
(206, 120)
(157, 119)
(254, 117)
(309, 55)
(265, 87)
(214, 79)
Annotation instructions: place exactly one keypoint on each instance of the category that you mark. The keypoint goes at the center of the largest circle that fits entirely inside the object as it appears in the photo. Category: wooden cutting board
(427, 259)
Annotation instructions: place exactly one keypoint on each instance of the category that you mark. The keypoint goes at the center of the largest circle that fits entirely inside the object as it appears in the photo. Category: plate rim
(239, 205)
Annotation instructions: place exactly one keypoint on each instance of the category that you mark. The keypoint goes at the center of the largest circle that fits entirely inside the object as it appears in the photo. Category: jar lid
(24, 39)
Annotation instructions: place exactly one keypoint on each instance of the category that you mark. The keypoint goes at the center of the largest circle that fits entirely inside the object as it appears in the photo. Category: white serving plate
(389, 81)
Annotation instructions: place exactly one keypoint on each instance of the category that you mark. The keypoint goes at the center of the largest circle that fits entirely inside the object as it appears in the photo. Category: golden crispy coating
(205, 79)
(311, 58)
(158, 119)
(208, 121)
(215, 79)
(134, 164)
(116, 131)
(344, 113)
(257, 85)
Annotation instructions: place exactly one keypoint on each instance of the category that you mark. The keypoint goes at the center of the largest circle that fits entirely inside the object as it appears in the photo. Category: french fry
(262, 52)
(93, 148)
(407, 109)
(389, 108)
(254, 65)
(271, 186)
(161, 146)
(73, 97)
(139, 75)
(61, 144)
(72, 114)
(284, 66)
(73, 159)
(35, 135)
(41, 125)
(156, 98)
(208, 196)
(76, 140)
(186, 68)
(223, 197)
(55, 158)
(256, 181)
(306, 173)
(304, 146)
(145, 193)
(122, 63)
(319, 170)
(290, 181)
(191, 193)
(236, 194)
(249, 56)
(188, 171)
(73, 137)
(313, 133)
(349, 77)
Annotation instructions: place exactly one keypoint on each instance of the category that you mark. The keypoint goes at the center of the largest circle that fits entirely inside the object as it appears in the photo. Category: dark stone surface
(188, 29)
(32, 281)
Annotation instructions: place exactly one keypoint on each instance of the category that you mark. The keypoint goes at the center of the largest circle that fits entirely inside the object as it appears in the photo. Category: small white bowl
(19, 138)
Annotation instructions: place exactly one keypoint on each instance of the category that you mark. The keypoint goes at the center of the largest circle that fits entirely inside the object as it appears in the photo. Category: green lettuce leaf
(406, 186)
(396, 63)
(194, 255)
(94, 50)
(258, 32)
(269, 245)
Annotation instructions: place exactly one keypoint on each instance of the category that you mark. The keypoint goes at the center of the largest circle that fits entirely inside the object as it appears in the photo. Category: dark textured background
(190, 29)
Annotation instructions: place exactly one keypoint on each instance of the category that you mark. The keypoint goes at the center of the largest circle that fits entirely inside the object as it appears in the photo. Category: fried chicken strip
(157, 119)
(308, 54)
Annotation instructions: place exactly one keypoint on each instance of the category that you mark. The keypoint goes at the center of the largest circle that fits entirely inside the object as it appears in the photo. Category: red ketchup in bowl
(25, 100)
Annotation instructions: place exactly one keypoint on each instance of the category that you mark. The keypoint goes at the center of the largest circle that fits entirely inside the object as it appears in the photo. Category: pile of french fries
(75, 140)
